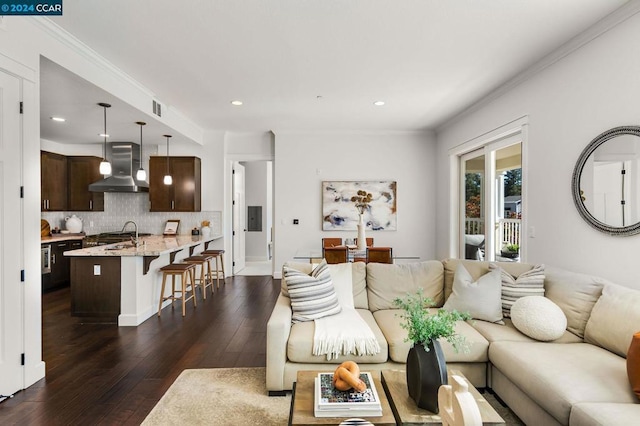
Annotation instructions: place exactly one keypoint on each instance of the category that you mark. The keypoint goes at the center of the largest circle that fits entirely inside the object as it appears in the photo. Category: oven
(45, 258)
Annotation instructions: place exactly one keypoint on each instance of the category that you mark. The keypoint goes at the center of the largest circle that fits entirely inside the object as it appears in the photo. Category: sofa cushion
(312, 296)
(604, 413)
(538, 318)
(300, 344)
(480, 297)
(385, 282)
(389, 321)
(478, 269)
(359, 283)
(508, 332)
(529, 283)
(614, 319)
(575, 294)
(558, 375)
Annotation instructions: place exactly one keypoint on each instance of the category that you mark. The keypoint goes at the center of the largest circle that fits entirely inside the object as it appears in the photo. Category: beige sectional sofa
(578, 379)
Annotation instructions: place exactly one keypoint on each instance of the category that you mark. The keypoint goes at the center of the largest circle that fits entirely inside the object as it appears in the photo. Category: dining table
(315, 255)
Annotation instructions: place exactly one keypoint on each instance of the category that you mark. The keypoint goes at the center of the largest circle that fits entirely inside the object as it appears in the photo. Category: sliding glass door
(473, 205)
(491, 201)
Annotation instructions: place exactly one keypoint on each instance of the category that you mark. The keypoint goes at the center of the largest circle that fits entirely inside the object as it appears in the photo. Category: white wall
(303, 161)
(568, 104)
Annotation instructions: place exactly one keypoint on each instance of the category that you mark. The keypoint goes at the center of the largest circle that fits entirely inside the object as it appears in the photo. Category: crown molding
(610, 21)
(354, 132)
(175, 119)
(61, 35)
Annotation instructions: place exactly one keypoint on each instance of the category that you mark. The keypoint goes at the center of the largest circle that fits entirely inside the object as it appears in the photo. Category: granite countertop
(53, 238)
(154, 245)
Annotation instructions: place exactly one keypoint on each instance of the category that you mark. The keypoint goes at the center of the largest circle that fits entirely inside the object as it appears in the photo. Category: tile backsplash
(120, 207)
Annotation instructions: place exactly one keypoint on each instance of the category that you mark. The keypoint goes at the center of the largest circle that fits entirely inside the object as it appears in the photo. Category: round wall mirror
(606, 182)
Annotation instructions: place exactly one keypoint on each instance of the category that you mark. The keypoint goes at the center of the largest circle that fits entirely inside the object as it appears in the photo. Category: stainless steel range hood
(125, 162)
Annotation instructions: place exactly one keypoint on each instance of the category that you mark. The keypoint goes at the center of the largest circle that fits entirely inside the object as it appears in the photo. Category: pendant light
(168, 180)
(105, 166)
(141, 174)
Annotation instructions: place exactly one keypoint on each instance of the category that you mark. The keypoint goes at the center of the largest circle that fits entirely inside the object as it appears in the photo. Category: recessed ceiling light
(102, 135)
(236, 103)
(378, 103)
(58, 119)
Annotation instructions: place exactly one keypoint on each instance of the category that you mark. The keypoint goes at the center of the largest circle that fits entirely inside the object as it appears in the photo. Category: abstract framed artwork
(339, 212)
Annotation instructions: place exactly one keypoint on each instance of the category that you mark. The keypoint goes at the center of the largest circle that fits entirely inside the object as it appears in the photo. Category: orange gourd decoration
(347, 376)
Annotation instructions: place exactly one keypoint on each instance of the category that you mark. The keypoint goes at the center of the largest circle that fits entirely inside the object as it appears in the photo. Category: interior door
(239, 218)
(11, 293)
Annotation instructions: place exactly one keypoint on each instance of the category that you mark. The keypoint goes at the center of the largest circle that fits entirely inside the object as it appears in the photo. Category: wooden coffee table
(406, 412)
(302, 403)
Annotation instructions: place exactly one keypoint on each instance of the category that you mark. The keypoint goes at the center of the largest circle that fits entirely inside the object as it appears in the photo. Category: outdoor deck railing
(507, 230)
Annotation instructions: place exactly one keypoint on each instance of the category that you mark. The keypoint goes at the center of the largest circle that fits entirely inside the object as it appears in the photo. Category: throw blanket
(343, 334)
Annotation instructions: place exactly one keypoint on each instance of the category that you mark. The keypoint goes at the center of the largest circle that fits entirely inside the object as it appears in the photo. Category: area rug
(220, 396)
(237, 396)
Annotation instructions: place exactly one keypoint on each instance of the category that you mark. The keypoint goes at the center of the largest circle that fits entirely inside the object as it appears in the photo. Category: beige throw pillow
(481, 298)
(614, 319)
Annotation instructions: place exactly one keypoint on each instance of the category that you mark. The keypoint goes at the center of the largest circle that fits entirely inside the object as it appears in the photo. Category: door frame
(499, 137)
(29, 243)
(227, 227)
(238, 214)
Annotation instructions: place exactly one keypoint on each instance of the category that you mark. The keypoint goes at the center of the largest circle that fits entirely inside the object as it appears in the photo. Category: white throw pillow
(538, 318)
(312, 296)
(481, 299)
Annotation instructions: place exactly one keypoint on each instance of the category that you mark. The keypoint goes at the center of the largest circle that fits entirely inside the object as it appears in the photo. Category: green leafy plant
(423, 327)
(513, 247)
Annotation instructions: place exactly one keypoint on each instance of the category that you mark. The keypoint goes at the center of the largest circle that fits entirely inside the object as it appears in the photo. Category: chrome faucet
(133, 240)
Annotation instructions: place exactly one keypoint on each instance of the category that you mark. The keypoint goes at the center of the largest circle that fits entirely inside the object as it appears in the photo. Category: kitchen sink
(119, 247)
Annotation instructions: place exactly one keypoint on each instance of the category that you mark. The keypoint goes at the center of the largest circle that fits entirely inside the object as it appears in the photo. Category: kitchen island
(122, 282)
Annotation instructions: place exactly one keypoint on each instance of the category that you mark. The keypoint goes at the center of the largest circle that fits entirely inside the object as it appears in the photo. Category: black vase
(426, 372)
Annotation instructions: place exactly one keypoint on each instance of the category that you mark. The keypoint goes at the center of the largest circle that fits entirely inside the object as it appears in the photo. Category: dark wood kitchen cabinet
(60, 264)
(83, 171)
(95, 287)
(184, 194)
(53, 181)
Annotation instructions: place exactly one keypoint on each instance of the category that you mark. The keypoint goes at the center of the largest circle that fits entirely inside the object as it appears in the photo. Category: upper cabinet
(83, 171)
(183, 195)
(53, 181)
(64, 182)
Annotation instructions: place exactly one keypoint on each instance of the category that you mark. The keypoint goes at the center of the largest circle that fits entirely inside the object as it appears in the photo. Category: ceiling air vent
(157, 108)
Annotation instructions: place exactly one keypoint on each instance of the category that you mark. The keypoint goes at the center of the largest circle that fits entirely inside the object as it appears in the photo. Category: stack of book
(331, 402)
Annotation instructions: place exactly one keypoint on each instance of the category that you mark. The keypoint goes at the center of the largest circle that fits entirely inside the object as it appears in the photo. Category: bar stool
(186, 272)
(205, 280)
(218, 255)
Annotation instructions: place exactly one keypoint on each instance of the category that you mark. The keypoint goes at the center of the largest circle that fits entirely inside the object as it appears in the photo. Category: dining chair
(379, 255)
(369, 241)
(331, 242)
(335, 254)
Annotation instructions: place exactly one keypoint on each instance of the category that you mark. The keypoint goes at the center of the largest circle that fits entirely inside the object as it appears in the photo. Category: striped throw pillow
(530, 283)
(312, 296)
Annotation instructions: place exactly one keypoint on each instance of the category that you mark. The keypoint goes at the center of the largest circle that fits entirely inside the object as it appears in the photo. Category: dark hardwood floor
(102, 374)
